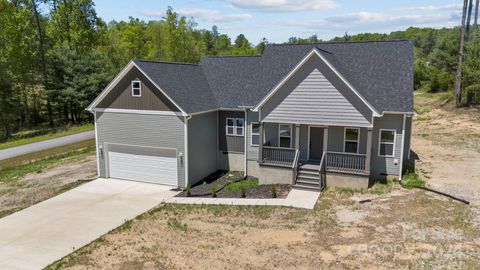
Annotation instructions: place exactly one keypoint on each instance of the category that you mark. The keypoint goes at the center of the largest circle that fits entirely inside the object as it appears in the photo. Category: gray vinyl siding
(315, 95)
(336, 139)
(271, 134)
(202, 145)
(408, 137)
(145, 130)
(226, 143)
(304, 143)
(386, 165)
(252, 151)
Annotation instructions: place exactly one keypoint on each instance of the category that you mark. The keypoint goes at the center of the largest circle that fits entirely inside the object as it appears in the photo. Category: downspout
(185, 158)
(96, 141)
(402, 150)
(245, 143)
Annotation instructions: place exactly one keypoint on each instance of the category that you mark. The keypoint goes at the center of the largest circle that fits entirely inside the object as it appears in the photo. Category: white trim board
(291, 134)
(345, 138)
(314, 51)
(380, 141)
(111, 110)
(119, 76)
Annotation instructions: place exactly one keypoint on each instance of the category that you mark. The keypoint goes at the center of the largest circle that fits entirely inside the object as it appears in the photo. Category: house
(298, 114)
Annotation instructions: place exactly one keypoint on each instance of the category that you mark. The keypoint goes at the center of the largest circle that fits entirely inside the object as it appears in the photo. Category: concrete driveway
(44, 145)
(43, 233)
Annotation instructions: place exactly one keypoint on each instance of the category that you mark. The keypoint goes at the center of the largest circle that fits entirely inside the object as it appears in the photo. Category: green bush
(214, 191)
(243, 191)
(412, 180)
(274, 191)
(188, 190)
(245, 184)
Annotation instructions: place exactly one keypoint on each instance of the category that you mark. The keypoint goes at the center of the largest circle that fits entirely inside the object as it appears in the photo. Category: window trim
(257, 134)
(234, 119)
(139, 88)
(345, 139)
(291, 135)
(393, 144)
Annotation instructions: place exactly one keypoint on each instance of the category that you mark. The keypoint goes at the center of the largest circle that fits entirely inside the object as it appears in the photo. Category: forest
(57, 56)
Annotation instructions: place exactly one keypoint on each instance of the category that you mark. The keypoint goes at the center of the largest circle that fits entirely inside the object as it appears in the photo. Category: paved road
(45, 232)
(44, 145)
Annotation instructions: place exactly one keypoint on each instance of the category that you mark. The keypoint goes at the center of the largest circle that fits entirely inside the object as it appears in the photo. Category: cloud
(283, 5)
(430, 8)
(374, 21)
(207, 15)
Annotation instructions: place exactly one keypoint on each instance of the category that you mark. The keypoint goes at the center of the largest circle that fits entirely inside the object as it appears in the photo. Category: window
(136, 89)
(235, 126)
(351, 139)
(255, 134)
(386, 143)
(285, 136)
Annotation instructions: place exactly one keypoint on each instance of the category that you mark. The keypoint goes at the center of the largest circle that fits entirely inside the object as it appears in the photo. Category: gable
(120, 96)
(314, 94)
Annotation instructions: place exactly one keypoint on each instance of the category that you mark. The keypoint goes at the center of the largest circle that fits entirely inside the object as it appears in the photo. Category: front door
(316, 143)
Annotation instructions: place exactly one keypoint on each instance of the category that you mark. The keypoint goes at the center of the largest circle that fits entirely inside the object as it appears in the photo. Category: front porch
(313, 152)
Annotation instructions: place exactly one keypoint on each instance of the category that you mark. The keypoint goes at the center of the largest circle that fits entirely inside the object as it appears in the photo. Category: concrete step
(307, 181)
(306, 186)
(308, 176)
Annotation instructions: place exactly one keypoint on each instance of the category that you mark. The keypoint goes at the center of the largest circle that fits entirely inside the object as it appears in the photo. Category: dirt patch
(36, 187)
(229, 237)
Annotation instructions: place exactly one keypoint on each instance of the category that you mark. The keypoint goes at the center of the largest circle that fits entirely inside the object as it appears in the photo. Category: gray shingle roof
(382, 72)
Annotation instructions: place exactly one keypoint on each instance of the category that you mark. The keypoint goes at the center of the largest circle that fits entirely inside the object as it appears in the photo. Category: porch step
(307, 186)
(308, 176)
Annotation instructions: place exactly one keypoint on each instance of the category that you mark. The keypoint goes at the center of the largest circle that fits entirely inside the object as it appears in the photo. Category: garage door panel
(147, 168)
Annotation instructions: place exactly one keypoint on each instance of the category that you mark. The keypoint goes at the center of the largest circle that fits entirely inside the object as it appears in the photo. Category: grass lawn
(30, 136)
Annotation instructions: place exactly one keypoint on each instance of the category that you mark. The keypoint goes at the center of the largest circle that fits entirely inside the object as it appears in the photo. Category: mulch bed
(221, 178)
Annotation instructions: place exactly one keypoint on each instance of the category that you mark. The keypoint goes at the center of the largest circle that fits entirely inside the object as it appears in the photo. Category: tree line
(57, 55)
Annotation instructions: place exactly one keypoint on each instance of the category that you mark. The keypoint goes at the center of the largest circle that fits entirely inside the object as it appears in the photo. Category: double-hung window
(351, 139)
(386, 143)
(136, 89)
(235, 126)
(255, 134)
(285, 135)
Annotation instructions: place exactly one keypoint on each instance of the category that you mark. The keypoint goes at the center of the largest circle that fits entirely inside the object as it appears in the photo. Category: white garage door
(146, 168)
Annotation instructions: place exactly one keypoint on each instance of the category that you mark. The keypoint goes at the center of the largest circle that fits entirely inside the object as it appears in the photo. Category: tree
(458, 75)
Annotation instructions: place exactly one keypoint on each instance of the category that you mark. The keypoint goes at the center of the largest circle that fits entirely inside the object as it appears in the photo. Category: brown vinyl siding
(120, 97)
(226, 143)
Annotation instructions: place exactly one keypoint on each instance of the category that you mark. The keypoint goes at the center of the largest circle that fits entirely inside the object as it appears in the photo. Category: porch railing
(278, 156)
(345, 162)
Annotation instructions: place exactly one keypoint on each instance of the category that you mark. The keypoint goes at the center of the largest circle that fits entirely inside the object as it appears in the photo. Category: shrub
(243, 191)
(412, 180)
(242, 184)
(214, 191)
(188, 190)
(274, 191)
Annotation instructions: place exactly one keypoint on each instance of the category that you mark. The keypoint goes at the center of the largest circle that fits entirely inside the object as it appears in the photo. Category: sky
(277, 20)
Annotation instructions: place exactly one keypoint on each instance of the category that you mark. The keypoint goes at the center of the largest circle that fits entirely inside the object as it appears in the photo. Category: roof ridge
(229, 56)
(166, 62)
(337, 42)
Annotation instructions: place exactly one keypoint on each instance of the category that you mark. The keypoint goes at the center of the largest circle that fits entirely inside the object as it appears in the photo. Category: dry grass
(339, 233)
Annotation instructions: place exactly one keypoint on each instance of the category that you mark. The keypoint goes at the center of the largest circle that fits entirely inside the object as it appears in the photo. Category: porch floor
(309, 164)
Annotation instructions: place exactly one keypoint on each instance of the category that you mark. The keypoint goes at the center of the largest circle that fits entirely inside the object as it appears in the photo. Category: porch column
(325, 139)
(297, 137)
(369, 150)
(260, 142)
